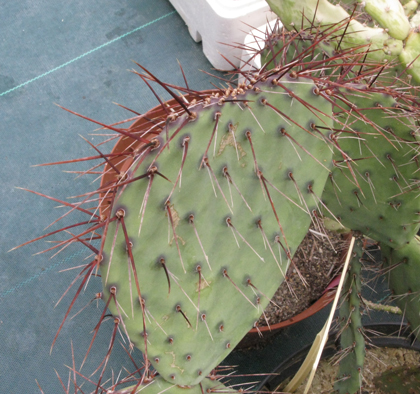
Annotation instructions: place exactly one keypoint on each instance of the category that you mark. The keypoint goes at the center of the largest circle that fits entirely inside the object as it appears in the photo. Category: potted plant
(207, 197)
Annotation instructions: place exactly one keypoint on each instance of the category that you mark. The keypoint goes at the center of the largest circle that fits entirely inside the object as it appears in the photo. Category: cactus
(373, 186)
(201, 212)
(352, 338)
(374, 195)
(205, 199)
(403, 266)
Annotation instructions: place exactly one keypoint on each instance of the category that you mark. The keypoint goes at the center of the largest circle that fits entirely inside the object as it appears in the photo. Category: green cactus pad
(404, 266)
(375, 194)
(351, 339)
(220, 232)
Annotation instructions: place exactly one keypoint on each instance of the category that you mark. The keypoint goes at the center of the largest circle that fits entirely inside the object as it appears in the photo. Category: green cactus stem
(351, 333)
(390, 15)
(403, 266)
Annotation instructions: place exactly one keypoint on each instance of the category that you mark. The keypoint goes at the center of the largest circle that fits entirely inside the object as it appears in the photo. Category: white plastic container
(254, 42)
(222, 26)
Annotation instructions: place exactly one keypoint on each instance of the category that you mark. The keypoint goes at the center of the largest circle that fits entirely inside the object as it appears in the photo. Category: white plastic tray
(222, 26)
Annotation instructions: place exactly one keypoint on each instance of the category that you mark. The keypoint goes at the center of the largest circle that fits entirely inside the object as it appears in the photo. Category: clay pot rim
(318, 305)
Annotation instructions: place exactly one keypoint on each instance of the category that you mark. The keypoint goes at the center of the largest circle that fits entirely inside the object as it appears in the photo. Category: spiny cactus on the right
(374, 183)
(373, 187)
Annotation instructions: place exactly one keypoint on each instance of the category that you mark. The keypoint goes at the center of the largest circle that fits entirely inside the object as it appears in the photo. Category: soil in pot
(383, 367)
(315, 264)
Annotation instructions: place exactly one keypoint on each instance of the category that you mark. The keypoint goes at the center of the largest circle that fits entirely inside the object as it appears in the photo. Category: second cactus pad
(199, 244)
(373, 186)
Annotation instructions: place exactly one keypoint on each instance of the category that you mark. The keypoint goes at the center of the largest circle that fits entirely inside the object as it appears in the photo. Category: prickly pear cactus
(352, 341)
(404, 272)
(204, 204)
(373, 185)
(197, 247)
